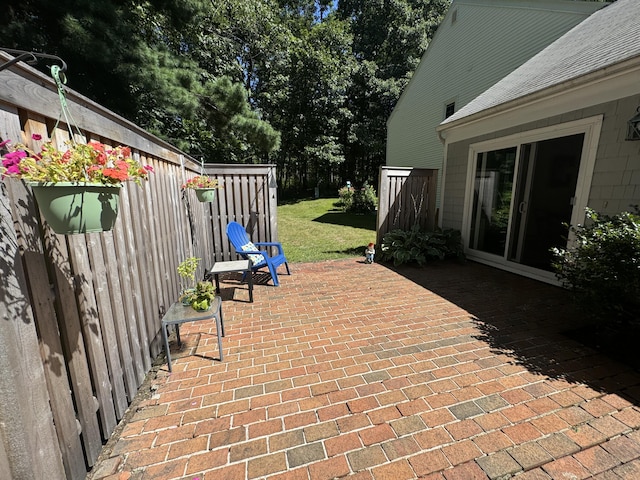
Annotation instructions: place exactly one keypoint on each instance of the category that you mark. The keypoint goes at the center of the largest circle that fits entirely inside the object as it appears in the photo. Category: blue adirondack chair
(251, 251)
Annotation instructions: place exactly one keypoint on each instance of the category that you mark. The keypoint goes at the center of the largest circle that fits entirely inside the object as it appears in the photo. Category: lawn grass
(315, 230)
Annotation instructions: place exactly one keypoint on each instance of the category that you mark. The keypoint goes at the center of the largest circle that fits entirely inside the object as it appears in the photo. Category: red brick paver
(363, 371)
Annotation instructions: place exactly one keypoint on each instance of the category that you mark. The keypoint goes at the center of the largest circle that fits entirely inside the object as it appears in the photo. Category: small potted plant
(77, 187)
(205, 187)
(201, 298)
(187, 271)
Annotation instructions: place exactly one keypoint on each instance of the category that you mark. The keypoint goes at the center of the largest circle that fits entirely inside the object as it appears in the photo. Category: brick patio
(447, 372)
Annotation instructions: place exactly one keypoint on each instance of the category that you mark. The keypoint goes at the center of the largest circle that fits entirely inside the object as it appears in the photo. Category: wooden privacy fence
(80, 314)
(406, 196)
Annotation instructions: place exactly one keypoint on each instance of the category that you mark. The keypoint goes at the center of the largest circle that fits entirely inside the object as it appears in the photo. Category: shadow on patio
(451, 372)
(528, 321)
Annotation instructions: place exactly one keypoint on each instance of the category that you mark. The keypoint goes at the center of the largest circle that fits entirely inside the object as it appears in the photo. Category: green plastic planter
(205, 194)
(72, 207)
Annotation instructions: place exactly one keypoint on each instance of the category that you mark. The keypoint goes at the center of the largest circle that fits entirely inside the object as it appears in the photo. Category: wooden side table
(242, 266)
(179, 313)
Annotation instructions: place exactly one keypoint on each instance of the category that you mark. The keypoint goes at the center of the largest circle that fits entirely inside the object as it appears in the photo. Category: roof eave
(625, 72)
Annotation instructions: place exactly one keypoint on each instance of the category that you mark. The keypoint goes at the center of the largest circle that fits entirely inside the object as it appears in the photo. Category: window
(449, 109)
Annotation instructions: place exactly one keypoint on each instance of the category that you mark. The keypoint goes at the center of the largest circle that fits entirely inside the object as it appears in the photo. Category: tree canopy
(305, 84)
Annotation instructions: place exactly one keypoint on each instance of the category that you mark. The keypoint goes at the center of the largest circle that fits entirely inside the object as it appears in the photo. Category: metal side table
(179, 313)
(243, 266)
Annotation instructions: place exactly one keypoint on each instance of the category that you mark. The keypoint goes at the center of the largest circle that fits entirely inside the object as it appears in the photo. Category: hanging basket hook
(29, 57)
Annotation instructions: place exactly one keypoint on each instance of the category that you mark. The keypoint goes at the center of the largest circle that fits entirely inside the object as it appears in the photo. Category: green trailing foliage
(419, 246)
(602, 268)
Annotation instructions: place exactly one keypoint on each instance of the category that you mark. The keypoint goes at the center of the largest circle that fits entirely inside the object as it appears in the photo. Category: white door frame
(590, 127)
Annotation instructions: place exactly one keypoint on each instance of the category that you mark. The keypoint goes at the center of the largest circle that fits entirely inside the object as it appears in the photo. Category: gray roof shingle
(609, 36)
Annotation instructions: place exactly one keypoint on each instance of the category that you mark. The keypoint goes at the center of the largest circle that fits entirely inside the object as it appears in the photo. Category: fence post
(383, 205)
(273, 203)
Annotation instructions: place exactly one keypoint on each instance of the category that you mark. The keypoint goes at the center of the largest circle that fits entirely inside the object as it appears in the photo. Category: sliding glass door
(523, 197)
(492, 200)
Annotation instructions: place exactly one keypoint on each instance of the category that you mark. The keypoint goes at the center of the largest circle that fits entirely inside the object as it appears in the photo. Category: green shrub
(602, 269)
(416, 245)
(364, 200)
(345, 200)
(358, 201)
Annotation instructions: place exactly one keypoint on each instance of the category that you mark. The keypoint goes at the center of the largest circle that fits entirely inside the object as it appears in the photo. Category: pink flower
(13, 158)
(2, 144)
(11, 161)
(36, 136)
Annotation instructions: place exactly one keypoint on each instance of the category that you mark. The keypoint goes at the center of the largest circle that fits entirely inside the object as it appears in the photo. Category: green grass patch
(315, 230)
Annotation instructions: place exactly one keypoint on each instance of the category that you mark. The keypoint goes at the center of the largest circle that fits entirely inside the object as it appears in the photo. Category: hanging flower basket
(74, 207)
(78, 187)
(205, 187)
(205, 194)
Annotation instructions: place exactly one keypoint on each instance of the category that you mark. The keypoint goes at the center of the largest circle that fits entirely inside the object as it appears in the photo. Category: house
(549, 139)
(478, 43)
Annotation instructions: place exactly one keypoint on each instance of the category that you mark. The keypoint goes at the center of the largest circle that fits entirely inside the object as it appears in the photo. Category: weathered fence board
(25, 415)
(92, 332)
(35, 265)
(73, 344)
(131, 382)
(105, 317)
(96, 300)
(130, 309)
(406, 198)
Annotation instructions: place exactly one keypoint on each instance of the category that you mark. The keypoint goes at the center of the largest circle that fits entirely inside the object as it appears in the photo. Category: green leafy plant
(187, 271)
(602, 268)
(419, 246)
(358, 201)
(202, 296)
(365, 200)
(345, 198)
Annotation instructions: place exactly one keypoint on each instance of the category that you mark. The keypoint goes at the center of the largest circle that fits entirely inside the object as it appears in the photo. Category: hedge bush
(358, 201)
(602, 268)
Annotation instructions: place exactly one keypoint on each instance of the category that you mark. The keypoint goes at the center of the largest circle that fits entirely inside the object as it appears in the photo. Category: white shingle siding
(489, 39)
(616, 177)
